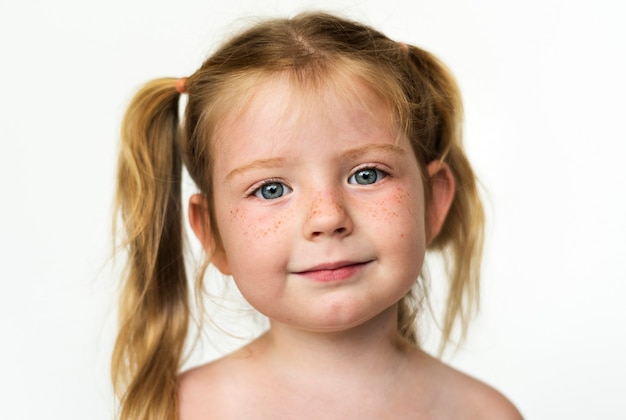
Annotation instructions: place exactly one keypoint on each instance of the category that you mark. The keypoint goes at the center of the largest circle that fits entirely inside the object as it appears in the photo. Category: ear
(442, 186)
(198, 219)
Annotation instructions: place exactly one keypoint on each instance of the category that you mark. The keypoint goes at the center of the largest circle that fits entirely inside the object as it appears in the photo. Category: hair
(310, 48)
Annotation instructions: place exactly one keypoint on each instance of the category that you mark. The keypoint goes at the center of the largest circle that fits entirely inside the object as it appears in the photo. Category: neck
(371, 348)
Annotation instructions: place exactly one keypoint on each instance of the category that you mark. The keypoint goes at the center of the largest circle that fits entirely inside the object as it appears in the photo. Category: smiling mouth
(338, 271)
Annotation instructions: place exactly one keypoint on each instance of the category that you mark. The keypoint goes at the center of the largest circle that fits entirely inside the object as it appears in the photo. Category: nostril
(327, 218)
(339, 231)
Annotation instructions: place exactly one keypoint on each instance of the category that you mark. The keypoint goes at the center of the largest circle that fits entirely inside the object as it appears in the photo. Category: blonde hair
(154, 311)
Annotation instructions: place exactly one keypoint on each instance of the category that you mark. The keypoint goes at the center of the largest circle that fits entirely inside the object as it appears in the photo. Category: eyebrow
(387, 148)
(257, 164)
(348, 154)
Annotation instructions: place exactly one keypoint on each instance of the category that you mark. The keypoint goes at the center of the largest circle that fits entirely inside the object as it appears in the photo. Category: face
(319, 206)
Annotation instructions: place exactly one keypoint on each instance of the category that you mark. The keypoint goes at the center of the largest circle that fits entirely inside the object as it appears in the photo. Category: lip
(336, 271)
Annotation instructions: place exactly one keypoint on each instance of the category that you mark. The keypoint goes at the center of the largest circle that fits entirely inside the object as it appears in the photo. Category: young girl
(328, 160)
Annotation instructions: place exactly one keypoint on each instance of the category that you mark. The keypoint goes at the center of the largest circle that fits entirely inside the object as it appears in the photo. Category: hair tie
(403, 47)
(180, 85)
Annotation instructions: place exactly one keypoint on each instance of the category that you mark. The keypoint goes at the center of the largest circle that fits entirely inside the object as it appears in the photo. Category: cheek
(256, 247)
(400, 209)
(244, 225)
(399, 224)
(254, 241)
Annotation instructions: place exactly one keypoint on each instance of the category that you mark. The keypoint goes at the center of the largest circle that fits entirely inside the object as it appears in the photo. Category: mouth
(337, 271)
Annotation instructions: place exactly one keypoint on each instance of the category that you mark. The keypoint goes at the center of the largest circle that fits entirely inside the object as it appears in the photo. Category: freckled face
(319, 206)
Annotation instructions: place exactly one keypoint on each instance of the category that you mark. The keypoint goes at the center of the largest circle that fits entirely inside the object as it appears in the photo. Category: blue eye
(272, 190)
(366, 176)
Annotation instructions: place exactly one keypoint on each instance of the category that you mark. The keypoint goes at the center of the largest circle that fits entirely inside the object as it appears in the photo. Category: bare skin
(368, 373)
(323, 224)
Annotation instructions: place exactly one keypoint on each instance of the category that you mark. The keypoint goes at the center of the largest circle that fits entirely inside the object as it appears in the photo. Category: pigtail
(461, 237)
(153, 315)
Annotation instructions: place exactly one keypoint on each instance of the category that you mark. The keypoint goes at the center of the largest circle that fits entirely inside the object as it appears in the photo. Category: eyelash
(257, 191)
(380, 174)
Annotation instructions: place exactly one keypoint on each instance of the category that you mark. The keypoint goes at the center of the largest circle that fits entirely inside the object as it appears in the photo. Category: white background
(544, 90)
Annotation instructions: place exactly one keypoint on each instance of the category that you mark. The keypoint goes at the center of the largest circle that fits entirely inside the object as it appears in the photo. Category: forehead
(287, 102)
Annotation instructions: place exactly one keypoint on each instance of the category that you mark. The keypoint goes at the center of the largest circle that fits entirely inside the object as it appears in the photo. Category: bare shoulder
(207, 390)
(196, 388)
(467, 397)
(487, 403)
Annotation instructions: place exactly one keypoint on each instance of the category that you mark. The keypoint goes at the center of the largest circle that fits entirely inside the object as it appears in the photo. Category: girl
(328, 160)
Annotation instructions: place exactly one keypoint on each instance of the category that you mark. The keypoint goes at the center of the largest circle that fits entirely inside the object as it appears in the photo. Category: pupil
(366, 177)
(272, 191)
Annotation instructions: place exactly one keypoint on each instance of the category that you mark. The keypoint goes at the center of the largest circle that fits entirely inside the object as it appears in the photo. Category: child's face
(319, 206)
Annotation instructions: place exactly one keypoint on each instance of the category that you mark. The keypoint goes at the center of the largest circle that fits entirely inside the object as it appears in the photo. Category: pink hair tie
(403, 47)
(180, 85)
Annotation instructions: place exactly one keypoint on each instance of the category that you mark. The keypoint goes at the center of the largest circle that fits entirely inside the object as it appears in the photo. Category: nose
(327, 217)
